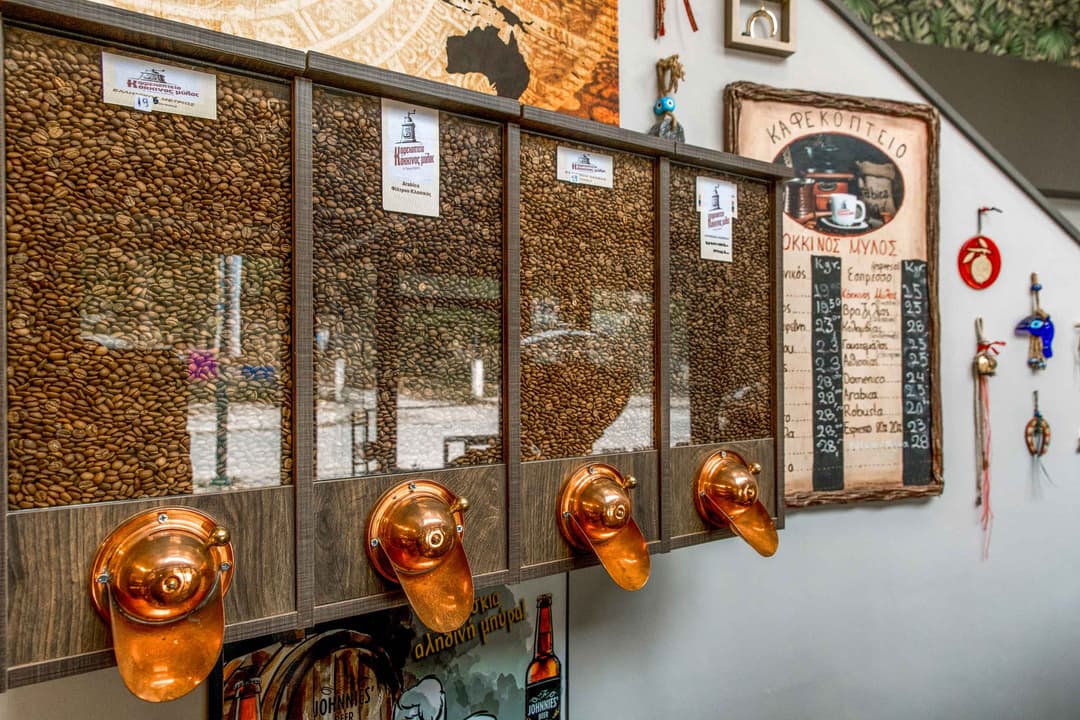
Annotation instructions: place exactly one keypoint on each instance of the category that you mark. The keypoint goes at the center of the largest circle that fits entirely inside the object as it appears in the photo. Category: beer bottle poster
(861, 411)
(388, 666)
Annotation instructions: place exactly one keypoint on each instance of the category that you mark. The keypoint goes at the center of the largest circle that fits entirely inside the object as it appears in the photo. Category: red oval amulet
(979, 262)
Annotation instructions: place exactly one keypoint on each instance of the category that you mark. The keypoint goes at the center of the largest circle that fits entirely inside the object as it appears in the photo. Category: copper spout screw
(219, 536)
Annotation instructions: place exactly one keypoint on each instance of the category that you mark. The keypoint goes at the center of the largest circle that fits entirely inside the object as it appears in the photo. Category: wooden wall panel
(3, 391)
(541, 481)
(687, 528)
(342, 569)
(52, 550)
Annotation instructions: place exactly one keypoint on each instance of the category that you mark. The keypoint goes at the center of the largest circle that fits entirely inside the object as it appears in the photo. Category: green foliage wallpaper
(1032, 29)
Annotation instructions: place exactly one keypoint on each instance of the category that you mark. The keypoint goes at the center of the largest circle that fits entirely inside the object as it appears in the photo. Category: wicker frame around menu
(739, 95)
(49, 628)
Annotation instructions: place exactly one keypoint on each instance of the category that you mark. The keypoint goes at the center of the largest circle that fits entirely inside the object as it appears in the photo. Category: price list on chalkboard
(828, 383)
(915, 359)
(859, 241)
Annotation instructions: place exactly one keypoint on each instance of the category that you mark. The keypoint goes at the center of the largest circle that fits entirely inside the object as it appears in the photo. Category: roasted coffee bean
(587, 280)
(406, 302)
(721, 317)
(115, 242)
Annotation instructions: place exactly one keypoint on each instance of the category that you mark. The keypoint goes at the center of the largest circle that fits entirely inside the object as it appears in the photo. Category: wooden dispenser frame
(289, 538)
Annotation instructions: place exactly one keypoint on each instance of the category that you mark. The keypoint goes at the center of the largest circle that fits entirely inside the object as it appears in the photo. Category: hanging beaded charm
(1037, 437)
(669, 72)
(1037, 432)
(1039, 328)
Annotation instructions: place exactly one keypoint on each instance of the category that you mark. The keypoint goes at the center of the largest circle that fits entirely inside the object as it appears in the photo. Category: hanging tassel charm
(1039, 328)
(1037, 437)
(984, 367)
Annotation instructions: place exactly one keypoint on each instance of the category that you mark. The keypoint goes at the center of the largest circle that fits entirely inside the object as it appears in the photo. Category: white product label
(150, 86)
(410, 159)
(585, 167)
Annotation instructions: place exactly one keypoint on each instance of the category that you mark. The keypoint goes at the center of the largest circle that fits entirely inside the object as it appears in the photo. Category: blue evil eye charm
(665, 104)
(1041, 327)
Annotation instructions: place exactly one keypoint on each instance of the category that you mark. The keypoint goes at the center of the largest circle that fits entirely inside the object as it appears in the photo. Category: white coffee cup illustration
(846, 209)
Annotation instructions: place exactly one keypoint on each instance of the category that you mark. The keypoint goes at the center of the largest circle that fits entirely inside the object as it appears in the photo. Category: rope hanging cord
(669, 72)
(661, 8)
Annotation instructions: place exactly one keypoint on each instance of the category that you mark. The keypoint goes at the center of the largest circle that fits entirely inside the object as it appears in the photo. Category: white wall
(881, 611)
(867, 612)
(1069, 208)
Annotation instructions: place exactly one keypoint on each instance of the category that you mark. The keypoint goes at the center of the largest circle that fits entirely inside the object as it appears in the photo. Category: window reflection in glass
(587, 309)
(408, 309)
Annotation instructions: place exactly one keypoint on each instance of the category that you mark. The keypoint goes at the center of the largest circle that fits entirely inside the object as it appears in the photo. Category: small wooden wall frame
(740, 26)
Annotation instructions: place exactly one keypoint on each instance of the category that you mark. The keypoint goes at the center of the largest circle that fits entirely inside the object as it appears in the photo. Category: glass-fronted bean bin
(587, 329)
(408, 334)
(148, 278)
(149, 353)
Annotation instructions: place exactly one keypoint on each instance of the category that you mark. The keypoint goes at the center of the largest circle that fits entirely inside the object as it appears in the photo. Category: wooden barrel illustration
(335, 675)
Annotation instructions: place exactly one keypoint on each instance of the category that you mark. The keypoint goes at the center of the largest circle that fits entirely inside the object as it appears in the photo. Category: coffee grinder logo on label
(408, 151)
(152, 75)
(584, 164)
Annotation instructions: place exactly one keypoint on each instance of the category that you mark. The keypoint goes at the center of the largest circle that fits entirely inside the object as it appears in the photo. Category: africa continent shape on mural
(561, 56)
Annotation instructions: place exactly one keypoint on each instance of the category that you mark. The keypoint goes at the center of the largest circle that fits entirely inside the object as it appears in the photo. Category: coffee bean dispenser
(409, 353)
(149, 344)
(588, 329)
(233, 365)
(726, 359)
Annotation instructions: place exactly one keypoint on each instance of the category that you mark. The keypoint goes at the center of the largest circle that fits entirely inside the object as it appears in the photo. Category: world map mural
(558, 55)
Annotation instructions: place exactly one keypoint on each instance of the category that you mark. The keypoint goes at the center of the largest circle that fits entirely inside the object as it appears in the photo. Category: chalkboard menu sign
(828, 395)
(915, 358)
(861, 410)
